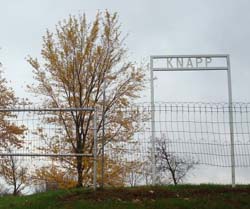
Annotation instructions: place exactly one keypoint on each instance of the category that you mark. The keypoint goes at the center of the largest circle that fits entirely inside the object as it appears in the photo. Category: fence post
(230, 99)
(152, 123)
(95, 150)
(103, 132)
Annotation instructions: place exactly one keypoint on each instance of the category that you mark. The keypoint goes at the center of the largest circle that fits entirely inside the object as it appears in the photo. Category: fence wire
(39, 146)
(197, 131)
(36, 132)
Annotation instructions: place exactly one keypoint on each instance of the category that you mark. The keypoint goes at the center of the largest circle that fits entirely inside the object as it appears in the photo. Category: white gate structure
(190, 63)
(43, 127)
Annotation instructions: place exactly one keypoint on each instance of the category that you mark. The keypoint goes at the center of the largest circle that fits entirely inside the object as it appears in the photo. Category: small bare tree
(13, 173)
(134, 174)
(175, 167)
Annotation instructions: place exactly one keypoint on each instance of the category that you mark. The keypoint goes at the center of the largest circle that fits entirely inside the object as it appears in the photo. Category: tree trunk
(173, 177)
(15, 192)
(79, 159)
(79, 171)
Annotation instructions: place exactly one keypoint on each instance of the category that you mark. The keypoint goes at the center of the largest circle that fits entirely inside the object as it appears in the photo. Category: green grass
(163, 197)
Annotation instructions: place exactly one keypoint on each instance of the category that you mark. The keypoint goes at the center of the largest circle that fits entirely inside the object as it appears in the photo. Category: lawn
(164, 197)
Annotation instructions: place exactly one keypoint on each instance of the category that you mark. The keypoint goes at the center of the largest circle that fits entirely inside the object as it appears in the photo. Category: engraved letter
(169, 64)
(189, 63)
(208, 60)
(179, 62)
(198, 61)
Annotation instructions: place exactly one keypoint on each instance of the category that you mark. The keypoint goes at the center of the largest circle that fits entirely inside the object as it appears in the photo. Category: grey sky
(154, 27)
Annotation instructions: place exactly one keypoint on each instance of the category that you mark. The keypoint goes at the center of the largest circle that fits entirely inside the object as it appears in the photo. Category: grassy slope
(169, 197)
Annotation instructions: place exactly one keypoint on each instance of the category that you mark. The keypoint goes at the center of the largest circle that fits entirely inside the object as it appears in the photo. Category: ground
(165, 197)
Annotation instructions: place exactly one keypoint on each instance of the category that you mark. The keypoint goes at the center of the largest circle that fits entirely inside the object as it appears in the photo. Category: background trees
(14, 174)
(77, 59)
(11, 139)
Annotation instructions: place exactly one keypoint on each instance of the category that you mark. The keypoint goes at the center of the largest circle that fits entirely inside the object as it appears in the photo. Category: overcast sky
(154, 27)
(162, 27)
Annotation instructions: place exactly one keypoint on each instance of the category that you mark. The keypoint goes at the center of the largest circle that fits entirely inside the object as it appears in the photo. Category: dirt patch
(140, 194)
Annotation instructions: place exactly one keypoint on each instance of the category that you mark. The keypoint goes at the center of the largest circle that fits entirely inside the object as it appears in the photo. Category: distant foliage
(12, 172)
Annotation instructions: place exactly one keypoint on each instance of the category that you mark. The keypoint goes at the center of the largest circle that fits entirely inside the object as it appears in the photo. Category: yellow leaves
(53, 174)
(78, 56)
(77, 59)
(16, 130)
(92, 37)
(107, 31)
(33, 62)
(110, 20)
(111, 77)
(124, 102)
(114, 175)
(10, 134)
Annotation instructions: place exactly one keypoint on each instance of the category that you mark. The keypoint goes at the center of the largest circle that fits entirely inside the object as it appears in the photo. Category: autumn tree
(78, 58)
(11, 136)
(65, 178)
(51, 175)
(169, 164)
(14, 174)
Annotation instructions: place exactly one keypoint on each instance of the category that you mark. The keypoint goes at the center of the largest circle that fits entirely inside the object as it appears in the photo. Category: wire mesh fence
(42, 143)
(47, 147)
(199, 132)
